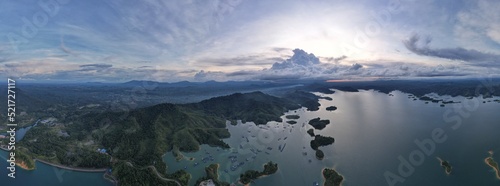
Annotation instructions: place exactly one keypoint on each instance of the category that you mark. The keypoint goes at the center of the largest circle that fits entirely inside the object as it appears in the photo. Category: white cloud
(480, 23)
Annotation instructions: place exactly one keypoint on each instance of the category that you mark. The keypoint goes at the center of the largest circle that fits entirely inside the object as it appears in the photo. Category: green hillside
(136, 140)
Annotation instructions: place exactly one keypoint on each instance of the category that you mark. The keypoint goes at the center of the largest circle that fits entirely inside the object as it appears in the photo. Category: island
(332, 177)
(319, 154)
(292, 116)
(326, 98)
(319, 124)
(250, 175)
(443, 102)
(212, 177)
(291, 122)
(492, 163)
(446, 165)
(311, 132)
(321, 141)
(331, 108)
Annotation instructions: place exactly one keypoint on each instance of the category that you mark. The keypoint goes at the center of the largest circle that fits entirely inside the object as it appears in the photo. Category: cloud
(209, 75)
(300, 58)
(96, 66)
(249, 60)
(356, 66)
(281, 49)
(300, 66)
(479, 22)
(241, 73)
(64, 48)
(53, 70)
(472, 56)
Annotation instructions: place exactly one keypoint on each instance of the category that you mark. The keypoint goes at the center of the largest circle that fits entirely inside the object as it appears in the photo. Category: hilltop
(137, 139)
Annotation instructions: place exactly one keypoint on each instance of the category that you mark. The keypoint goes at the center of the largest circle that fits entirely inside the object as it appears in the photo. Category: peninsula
(250, 175)
(211, 176)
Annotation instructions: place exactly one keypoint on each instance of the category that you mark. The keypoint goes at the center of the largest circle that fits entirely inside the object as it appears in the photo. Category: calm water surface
(371, 131)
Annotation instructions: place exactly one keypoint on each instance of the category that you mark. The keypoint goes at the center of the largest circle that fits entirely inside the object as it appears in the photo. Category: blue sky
(121, 40)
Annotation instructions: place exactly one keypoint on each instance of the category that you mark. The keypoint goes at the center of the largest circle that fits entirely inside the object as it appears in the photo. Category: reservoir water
(371, 130)
(48, 175)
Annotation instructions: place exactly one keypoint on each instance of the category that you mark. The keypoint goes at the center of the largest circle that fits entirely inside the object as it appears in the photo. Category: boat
(283, 147)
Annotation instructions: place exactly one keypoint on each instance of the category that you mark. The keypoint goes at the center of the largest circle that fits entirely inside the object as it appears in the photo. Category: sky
(202, 40)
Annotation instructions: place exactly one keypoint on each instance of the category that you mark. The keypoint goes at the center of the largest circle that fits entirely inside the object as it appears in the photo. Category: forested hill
(142, 136)
(255, 106)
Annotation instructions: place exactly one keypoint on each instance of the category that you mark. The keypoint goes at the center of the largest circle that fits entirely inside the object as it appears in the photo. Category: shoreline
(62, 166)
(258, 177)
(486, 160)
(324, 178)
(497, 172)
(445, 170)
(76, 169)
(23, 165)
(71, 168)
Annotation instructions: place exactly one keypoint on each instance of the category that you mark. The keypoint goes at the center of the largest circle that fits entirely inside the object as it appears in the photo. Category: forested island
(250, 175)
(319, 124)
(292, 116)
(332, 177)
(331, 108)
(319, 141)
(292, 119)
(446, 165)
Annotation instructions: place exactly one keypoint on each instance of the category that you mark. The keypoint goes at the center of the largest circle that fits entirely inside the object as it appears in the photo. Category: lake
(371, 131)
(48, 175)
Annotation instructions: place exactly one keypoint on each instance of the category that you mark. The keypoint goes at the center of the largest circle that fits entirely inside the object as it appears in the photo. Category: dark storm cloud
(472, 56)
